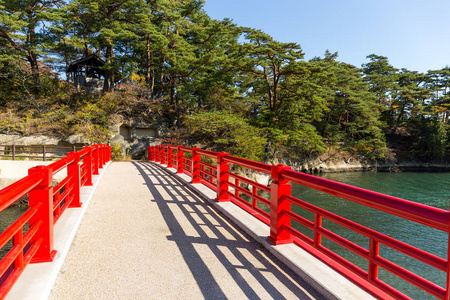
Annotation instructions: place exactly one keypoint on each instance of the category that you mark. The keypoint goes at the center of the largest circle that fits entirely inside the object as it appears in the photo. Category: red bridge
(116, 245)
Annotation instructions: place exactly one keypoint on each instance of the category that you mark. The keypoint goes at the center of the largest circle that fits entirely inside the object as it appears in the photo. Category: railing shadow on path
(255, 271)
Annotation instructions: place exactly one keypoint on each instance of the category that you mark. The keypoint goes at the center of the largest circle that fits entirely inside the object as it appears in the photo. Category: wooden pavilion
(86, 72)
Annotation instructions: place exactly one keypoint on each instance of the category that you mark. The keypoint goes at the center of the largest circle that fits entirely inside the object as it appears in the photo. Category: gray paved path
(147, 236)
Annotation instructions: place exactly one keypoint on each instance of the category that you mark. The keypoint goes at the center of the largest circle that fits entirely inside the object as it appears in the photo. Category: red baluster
(169, 156)
(163, 154)
(195, 166)
(95, 159)
(278, 219)
(158, 154)
(43, 193)
(73, 171)
(180, 159)
(222, 178)
(87, 159)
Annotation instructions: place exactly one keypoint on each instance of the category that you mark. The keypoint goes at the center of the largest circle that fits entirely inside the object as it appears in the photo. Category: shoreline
(316, 166)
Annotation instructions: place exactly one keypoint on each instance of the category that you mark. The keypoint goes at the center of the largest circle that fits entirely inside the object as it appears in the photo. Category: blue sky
(412, 34)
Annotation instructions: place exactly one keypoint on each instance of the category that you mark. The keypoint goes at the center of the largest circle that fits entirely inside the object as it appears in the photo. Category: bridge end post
(278, 219)
(42, 194)
(222, 177)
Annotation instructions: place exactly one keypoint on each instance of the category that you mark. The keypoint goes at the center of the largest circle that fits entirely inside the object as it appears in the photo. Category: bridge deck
(147, 236)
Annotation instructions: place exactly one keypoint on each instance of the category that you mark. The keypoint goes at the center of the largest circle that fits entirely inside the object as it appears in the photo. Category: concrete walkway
(147, 236)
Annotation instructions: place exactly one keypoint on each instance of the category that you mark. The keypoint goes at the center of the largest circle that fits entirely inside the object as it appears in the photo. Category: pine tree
(439, 84)
(381, 77)
(352, 116)
(22, 32)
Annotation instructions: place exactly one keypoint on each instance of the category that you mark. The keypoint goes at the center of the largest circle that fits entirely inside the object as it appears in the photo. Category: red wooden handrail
(427, 215)
(281, 214)
(250, 164)
(17, 190)
(207, 153)
(44, 209)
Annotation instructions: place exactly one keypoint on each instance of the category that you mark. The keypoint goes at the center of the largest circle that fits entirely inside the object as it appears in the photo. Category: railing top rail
(18, 189)
(60, 164)
(207, 153)
(84, 152)
(187, 149)
(420, 213)
(257, 166)
(38, 146)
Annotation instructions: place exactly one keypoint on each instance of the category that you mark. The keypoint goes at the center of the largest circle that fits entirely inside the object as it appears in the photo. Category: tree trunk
(150, 77)
(32, 59)
(109, 74)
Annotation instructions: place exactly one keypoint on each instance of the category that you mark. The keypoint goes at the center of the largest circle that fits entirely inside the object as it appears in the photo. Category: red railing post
(87, 159)
(374, 251)
(195, 166)
(447, 292)
(108, 153)
(278, 205)
(43, 193)
(105, 155)
(163, 154)
(169, 156)
(149, 153)
(101, 156)
(180, 161)
(95, 158)
(157, 153)
(73, 171)
(153, 153)
(222, 177)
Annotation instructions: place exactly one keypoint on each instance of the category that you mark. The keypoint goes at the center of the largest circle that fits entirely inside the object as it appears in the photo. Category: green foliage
(434, 140)
(15, 81)
(224, 131)
(116, 152)
(437, 140)
(236, 88)
(353, 117)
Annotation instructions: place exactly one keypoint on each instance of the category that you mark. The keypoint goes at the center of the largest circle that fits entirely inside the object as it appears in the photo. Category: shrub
(228, 132)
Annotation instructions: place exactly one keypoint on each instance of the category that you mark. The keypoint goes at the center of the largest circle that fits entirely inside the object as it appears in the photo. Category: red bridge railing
(213, 170)
(46, 204)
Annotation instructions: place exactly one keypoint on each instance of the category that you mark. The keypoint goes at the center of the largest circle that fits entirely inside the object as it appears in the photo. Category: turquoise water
(7, 217)
(432, 189)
